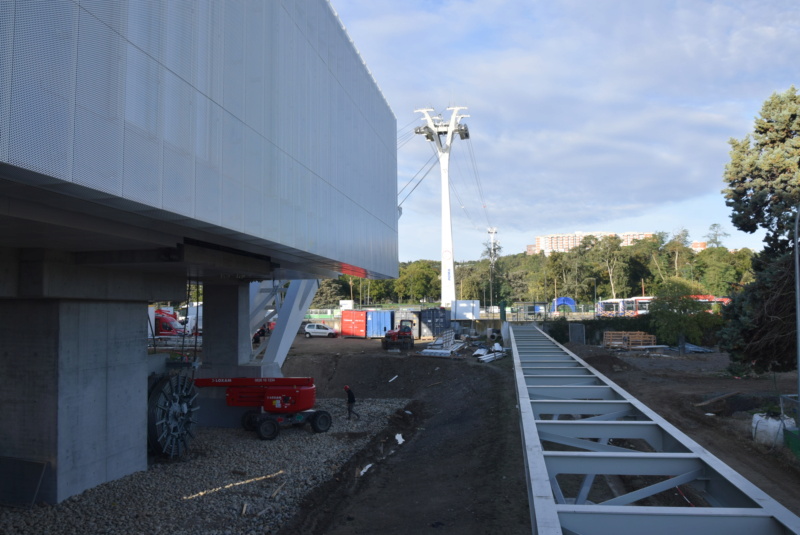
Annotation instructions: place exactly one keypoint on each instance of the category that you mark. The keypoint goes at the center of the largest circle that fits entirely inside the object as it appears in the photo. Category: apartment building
(564, 242)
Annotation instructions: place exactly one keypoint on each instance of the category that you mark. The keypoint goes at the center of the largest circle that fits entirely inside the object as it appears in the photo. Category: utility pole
(435, 128)
(492, 258)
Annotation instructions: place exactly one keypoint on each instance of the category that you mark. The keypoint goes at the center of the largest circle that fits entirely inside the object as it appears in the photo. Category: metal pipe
(797, 299)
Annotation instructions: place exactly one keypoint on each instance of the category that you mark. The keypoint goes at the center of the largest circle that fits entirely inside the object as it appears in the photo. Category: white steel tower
(434, 129)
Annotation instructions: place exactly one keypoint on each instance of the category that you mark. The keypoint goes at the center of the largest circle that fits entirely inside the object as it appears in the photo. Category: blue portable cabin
(378, 322)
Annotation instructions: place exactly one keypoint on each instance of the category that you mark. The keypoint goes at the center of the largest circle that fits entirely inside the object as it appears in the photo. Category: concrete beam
(56, 275)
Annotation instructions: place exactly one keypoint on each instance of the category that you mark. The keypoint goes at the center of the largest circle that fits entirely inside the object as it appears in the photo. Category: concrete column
(74, 395)
(226, 349)
(73, 373)
(226, 325)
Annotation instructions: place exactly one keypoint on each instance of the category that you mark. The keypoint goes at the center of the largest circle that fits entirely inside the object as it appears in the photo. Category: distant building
(564, 242)
(698, 246)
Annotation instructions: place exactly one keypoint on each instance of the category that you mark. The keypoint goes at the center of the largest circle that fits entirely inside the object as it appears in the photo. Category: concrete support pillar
(226, 349)
(226, 325)
(74, 395)
(73, 373)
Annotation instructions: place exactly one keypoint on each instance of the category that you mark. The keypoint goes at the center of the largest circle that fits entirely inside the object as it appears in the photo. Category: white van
(318, 329)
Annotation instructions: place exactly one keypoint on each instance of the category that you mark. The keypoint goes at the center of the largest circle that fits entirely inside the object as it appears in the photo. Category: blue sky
(585, 115)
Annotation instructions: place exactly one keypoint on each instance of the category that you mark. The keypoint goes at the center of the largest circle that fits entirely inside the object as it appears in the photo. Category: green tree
(613, 262)
(674, 312)
(419, 281)
(643, 264)
(760, 330)
(679, 252)
(762, 175)
(330, 292)
(472, 279)
(535, 267)
(584, 270)
(721, 271)
(559, 267)
(514, 286)
(715, 235)
(381, 291)
(763, 192)
(743, 262)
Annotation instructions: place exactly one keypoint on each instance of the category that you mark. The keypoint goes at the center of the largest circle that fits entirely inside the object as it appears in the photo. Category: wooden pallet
(627, 339)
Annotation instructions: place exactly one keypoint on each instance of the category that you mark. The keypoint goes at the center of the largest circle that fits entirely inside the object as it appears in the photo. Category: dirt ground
(460, 468)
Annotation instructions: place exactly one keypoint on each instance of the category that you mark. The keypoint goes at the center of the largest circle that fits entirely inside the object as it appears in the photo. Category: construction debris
(714, 399)
(444, 346)
(486, 354)
(691, 348)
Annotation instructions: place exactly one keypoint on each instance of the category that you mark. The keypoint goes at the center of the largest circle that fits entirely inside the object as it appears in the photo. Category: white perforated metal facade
(254, 122)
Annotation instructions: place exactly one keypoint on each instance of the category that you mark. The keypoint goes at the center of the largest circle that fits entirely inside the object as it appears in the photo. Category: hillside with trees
(599, 266)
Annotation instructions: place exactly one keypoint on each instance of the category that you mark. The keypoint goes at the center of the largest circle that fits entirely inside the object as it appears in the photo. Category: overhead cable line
(404, 139)
(412, 121)
(458, 196)
(405, 134)
(478, 181)
(417, 173)
(418, 183)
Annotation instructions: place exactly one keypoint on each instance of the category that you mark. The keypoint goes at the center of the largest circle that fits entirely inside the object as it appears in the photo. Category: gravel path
(232, 482)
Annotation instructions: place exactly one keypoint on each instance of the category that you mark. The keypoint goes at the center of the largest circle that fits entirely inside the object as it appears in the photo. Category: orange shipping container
(354, 323)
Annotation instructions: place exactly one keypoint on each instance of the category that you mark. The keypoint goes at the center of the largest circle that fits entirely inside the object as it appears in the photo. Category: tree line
(599, 268)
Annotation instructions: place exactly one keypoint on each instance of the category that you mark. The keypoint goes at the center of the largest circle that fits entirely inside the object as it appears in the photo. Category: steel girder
(595, 457)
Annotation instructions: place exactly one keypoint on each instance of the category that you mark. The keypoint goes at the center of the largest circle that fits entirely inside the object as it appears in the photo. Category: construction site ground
(460, 468)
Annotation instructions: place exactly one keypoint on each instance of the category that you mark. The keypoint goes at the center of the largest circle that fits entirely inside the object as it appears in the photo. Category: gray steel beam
(561, 380)
(650, 432)
(586, 414)
(549, 369)
(572, 392)
(627, 463)
(632, 520)
(578, 407)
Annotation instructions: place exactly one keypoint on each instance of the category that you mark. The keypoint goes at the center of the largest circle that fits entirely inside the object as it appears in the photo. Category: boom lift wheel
(268, 429)
(250, 419)
(321, 421)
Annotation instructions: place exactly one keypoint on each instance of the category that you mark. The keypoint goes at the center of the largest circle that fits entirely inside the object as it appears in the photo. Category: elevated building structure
(144, 144)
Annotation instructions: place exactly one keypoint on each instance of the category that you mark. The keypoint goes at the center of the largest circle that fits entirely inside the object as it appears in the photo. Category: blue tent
(568, 301)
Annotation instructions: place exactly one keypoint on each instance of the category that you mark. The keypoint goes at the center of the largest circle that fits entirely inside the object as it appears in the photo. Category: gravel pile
(232, 482)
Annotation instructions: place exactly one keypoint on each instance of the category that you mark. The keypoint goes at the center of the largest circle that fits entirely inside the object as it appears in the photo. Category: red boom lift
(281, 401)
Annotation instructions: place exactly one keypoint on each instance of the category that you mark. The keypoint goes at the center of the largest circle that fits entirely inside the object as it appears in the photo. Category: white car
(318, 329)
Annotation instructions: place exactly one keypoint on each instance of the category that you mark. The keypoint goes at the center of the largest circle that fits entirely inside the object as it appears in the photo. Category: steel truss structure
(598, 461)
